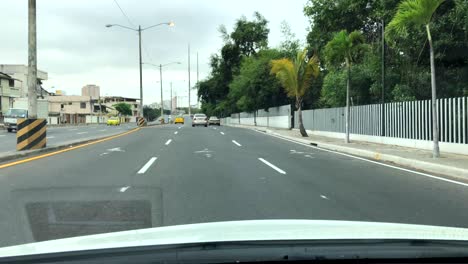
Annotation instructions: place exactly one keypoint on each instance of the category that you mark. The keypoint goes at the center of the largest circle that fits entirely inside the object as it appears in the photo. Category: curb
(30, 153)
(424, 166)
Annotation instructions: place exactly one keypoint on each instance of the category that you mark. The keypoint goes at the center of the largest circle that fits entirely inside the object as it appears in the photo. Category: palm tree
(416, 13)
(343, 48)
(295, 77)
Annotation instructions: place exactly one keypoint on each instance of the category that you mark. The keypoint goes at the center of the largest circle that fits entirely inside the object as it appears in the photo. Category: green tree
(295, 77)
(417, 13)
(344, 48)
(150, 113)
(123, 109)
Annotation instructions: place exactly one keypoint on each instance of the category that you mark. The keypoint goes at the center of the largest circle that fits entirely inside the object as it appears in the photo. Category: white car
(200, 120)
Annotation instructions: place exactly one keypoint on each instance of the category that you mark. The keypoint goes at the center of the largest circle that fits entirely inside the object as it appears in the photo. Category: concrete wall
(276, 117)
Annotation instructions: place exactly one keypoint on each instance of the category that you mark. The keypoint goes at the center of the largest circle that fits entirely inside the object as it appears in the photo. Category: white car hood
(255, 230)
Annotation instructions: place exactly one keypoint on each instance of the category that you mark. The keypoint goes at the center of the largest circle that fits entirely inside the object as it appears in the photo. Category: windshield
(167, 113)
(16, 113)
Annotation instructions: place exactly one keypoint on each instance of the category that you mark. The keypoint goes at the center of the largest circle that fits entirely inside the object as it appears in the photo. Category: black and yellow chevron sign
(31, 134)
(141, 121)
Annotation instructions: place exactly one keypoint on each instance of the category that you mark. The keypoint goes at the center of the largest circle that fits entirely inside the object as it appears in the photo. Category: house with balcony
(9, 90)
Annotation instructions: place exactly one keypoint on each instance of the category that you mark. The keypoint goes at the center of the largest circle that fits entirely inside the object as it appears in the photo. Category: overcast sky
(76, 48)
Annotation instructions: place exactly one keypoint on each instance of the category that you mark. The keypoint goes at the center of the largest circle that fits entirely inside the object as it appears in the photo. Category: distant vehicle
(113, 121)
(200, 120)
(11, 117)
(214, 121)
(179, 120)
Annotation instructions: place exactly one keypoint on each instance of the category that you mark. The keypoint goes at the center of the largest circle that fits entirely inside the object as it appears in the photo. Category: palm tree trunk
(347, 100)
(435, 126)
(299, 114)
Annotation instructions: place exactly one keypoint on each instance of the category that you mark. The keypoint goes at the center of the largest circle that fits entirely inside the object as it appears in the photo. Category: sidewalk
(452, 165)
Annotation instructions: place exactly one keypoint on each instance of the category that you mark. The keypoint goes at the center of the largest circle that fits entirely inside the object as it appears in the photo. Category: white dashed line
(272, 166)
(81, 133)
(50, 137)
(102, 130)
(324, 197)
(175, 133)
(179, 127)
(168, 142)
(123, 189)
(222, 133)
(235, 142)
(147, 165)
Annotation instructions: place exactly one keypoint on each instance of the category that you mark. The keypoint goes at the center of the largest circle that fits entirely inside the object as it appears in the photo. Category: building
(174, 103)
(167, 104)
(8, 92)
(20, 74)
(110, 101)
(91, 90)
(71, 109)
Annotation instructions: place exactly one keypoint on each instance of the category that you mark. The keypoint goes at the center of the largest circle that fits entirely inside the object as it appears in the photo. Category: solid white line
(272, 166)
(147, 165)
(235, 142)
(123, 189)
(222, 133)
(81, 133)
(175, 133)
(168, 142)
(371, 161)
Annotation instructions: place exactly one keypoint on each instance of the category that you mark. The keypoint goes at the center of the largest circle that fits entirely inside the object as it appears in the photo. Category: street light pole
(172, 108)
(189, 108)
(160, 79)
(141, 73)
(382, 132)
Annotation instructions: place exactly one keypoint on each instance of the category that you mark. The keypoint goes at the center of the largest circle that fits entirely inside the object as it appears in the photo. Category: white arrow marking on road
(116, 150)
(81, 133)
(324, 197)
(222, 133)
(168, 142)
(175, 133)
(147, 165)
(105, 153)
(123, 189)
(203, 151)
(235, 142)
(272, 166)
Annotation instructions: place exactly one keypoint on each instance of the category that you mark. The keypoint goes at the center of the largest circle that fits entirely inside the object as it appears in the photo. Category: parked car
(200, 120)
(113, 121)
(214, 121)
(179, 120)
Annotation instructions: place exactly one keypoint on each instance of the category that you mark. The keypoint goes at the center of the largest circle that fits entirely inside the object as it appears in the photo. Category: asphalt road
(176, 174)
(62, 135)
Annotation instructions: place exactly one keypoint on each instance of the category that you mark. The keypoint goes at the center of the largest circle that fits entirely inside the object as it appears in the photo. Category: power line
(123, 13)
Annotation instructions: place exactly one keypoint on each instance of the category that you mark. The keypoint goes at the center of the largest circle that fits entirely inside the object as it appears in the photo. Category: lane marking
(175, 133)
(235, 142)
(81, 133)
(118, 149)
(65, 150)
(102, 130)
(102, 154)
(2, 135)
(222, 133)
(272, 166)
(147, 165)
(168, 142)
(123, 189)
(368, 160)
(179, 127)
(324, 197)
(49, 137)
(74, 129)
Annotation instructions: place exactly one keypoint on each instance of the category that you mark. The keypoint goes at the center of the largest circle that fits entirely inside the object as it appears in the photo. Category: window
(135, 105)
(11, 83)
(62, 106)
(82, 105)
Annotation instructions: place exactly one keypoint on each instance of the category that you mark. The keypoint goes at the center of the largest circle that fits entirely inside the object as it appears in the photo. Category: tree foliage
(123, 109)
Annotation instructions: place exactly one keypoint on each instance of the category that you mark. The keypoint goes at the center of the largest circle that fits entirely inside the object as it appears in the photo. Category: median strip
(147, 165)
(272, 166)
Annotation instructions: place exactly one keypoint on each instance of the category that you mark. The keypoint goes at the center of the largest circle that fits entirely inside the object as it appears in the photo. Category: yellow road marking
(65, 150)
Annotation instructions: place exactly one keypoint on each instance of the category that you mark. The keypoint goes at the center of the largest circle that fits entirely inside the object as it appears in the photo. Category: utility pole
(141, 74)
(189, 108)
(197, 82)
(382, 133)
(32, 60)
(160, 81)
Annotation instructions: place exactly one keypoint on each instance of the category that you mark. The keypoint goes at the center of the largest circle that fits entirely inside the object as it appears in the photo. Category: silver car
(214, 121)
(200, 120)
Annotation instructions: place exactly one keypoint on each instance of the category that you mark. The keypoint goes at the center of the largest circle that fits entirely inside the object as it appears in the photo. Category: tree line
(241, 77)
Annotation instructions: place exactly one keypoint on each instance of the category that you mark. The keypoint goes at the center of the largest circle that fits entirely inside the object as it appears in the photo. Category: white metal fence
(277, 117)
(410, 120)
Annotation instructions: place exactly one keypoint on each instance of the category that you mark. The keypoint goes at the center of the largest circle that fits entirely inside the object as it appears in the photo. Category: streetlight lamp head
(171, 24)
(109, 25)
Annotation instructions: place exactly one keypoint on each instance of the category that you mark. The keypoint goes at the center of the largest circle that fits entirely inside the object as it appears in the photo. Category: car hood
(255, 230)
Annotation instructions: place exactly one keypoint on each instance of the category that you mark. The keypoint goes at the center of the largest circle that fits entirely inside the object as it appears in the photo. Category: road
(61, 135)
(176, 174)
